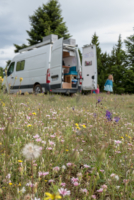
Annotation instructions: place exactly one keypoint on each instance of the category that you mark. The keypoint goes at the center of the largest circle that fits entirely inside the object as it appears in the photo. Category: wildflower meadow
(60, 147)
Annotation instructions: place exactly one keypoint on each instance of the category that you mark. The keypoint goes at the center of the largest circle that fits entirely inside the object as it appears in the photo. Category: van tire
(37, 89)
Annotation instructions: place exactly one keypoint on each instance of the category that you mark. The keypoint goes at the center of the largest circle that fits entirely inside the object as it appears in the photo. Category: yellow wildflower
(21, 79)
(67, 150)
(3, 104)
(29, 125)
(45, 180)
(83, 126)
(34, 113)
(76, 124)
(78, 127)
(19, 184)
(20, 161)
(10, 184)
(52, 196)
(0, 143)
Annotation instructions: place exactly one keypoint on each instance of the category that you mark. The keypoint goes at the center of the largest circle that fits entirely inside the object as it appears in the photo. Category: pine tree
(129, 42)
(45, 21)
(118, 67)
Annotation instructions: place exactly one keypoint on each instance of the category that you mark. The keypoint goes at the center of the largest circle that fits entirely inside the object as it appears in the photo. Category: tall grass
(83, 151)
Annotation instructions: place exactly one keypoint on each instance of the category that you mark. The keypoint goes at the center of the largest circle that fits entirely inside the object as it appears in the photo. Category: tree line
(48, 20)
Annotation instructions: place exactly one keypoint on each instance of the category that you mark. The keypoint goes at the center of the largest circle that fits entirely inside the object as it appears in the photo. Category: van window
(10, 69)
(20, 65)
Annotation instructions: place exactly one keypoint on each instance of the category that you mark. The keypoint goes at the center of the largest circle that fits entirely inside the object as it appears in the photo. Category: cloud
(83, 17)
(6, 54)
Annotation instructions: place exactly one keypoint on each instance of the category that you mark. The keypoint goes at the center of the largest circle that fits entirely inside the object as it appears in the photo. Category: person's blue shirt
(109, 82)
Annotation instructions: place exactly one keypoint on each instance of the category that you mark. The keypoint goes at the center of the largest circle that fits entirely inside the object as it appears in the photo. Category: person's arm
(106, 83)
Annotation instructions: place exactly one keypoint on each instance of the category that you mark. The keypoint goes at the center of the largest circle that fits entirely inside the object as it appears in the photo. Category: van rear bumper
(66, 91)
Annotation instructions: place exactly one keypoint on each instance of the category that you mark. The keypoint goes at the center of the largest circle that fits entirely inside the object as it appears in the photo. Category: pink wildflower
(51, 181)
(86, 166)
(75, 183)
(101, 170)
(40, 174)
(69, 164)
(74, 179)
(64, 192)
(63, 184)
(125, 181)
(93, 197)
(56, 169)
(36, 136)
(104, 187)
(117, 142)
(52, 136)
(83, 190)
(51, 142)
(45, 173)
(38, 140)
(100, 190)
(8, 176)
(49, 148)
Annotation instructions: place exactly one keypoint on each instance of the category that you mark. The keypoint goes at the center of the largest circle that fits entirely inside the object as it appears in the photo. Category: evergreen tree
(118, 67)
(129, 42)
(45, 21)
(8, 63)
(80, 54)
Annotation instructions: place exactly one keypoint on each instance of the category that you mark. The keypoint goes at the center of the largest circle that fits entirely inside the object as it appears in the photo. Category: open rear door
(56, 65)
(89, 67)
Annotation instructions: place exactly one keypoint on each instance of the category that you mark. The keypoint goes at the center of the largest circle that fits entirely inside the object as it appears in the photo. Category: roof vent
(71, 42)
(50, 38)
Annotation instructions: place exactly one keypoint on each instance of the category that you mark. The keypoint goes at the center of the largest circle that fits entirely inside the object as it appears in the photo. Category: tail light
(80, 74)
(48, 76)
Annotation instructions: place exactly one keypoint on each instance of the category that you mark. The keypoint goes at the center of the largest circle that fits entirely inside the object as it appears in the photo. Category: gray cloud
(83, 17)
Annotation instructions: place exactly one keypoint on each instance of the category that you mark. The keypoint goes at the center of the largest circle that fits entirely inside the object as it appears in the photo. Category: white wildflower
(31, 151)
(63, 167)
(23, 190)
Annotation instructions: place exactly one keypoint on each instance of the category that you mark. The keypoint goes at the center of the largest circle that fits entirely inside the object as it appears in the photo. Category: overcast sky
(83, 17)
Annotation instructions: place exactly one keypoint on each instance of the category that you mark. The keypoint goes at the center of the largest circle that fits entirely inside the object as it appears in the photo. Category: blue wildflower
(108, 115)
(95, 115)
(116, 119)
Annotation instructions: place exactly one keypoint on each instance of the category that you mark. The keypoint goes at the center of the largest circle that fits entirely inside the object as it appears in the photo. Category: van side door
(56, 65)
(10, 79)
(89, 67)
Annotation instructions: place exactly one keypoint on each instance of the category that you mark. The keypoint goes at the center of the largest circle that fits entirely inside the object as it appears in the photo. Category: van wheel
(37, 89)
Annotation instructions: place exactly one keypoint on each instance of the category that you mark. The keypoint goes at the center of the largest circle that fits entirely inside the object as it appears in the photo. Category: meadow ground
(73, 148)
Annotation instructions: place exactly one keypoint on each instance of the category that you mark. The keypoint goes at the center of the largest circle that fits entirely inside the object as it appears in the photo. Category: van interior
(69, 69)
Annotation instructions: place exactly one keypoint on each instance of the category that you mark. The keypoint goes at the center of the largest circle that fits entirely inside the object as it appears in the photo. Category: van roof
(34, 52)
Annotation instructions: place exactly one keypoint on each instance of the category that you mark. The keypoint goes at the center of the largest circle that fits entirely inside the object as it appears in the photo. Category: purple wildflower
(108, 115)
(116, 119)
(95, 115)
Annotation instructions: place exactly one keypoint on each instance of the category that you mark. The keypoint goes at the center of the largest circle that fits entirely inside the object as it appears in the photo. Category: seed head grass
(80, 148)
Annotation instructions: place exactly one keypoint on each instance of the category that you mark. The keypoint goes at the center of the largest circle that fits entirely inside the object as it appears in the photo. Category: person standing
(109, 84)
(97, 91)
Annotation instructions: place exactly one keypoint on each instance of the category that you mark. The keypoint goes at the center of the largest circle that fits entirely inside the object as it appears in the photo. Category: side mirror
(92, 77)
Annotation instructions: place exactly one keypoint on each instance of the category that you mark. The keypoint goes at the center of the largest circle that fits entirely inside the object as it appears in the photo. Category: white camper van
(89, 68)
(50, 66)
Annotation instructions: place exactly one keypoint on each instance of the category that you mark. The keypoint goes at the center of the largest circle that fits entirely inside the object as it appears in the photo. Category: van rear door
(56, 65)
(89, 67)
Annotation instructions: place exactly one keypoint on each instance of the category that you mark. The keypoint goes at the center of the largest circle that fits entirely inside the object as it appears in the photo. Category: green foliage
(8, 63)
(45, 21)
(1, 72)
(80, 54)
(120, 64)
